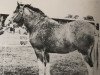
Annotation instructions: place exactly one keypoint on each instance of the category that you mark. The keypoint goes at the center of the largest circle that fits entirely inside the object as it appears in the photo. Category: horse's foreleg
(42, 63)
(43, 60)
(47, 64)
(40, 59)
(88, 56)
(90, 70)
(41, 67)
(48, 69)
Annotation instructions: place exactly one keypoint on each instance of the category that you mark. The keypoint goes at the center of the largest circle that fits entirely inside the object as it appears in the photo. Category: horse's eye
(21, 11)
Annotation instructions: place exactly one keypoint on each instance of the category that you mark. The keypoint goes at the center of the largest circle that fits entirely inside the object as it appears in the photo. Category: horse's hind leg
(88, 60)
(89, 57)
(40, 59)
(90, 69)
(88, 63)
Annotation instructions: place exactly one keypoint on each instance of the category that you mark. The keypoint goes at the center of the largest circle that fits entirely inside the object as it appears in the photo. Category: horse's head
(26, 13)
(17, 15)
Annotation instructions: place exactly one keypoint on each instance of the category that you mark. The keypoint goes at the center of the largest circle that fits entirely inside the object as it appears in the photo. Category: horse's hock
(68, 64)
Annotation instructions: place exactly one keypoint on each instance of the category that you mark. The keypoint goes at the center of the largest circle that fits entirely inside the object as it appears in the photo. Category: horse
(48, 36)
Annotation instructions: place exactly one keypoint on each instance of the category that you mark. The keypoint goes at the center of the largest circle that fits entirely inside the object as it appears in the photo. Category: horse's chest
(37, 40)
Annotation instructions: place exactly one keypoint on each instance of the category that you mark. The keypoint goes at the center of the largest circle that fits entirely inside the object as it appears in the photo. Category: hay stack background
(68, 64)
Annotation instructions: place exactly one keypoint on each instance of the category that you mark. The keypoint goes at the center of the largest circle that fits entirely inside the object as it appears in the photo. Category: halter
(21, 11)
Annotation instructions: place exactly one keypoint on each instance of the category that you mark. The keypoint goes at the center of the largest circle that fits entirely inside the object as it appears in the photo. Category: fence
(14, 39)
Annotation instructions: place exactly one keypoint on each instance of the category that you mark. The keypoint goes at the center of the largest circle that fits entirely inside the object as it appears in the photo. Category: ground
(16, 59)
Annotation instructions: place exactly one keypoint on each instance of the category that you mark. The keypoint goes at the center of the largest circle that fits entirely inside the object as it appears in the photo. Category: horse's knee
(43, 56)
(39, 55)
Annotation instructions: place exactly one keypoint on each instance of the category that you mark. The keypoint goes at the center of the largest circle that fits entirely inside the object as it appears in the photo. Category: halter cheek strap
(22, 11)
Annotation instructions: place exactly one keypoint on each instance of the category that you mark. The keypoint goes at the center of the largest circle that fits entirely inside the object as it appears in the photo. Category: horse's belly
(61, 50)
(61, 47)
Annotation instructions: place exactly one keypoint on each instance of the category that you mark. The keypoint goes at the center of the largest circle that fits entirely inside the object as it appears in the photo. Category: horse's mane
(34, 9)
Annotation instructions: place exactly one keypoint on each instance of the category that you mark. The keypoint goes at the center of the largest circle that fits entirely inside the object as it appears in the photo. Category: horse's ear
(17, 3)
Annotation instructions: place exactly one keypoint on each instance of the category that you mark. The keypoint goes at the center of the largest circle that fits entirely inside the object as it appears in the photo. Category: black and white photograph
(49, 37)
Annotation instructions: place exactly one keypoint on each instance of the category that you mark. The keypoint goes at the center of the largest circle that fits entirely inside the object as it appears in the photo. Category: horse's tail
(96, 49)
(97, 54)
(97, 46)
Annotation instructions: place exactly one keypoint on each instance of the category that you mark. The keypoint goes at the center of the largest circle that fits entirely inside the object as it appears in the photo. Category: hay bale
(68, 64)
(18, 60)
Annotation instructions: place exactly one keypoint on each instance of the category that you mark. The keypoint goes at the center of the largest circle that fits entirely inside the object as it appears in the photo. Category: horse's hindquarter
(83, 34)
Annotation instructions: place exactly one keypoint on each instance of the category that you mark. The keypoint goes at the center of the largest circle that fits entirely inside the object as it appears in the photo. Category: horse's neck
(34, 21)
(31, 21)
(37, 25)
